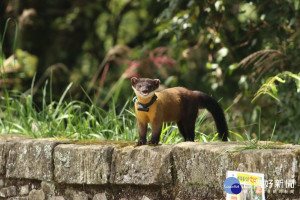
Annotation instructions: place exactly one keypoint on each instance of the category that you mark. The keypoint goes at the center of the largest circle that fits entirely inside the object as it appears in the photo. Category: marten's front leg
(156, 131)
(142, 128)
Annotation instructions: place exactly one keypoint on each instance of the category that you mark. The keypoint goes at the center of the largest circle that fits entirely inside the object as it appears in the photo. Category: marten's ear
(156, 83)
(134, 81)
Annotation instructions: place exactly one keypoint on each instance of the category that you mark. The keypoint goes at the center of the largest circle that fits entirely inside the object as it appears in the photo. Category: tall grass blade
(61, 99)
(4, 33)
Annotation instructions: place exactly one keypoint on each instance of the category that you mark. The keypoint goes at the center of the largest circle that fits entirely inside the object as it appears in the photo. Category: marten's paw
(152, 142)
(188, 139)
(141, 142)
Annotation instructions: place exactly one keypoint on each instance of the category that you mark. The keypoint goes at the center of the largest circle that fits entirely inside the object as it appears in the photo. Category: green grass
(76, 119)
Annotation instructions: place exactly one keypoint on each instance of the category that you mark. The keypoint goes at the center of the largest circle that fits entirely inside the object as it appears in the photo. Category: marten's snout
(145, 91)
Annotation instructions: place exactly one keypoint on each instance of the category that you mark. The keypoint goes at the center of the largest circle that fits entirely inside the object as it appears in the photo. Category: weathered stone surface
(45, 169)
(24, 190)
(56, 198)
(100, 196)
(145, 198)
(31, 159)
(145, 165)
(82, 164)
(18, 198)
(3, 152)
(275, 164)
(8, 191)
(1, 183)
(80, 196)
(36, 195)
(11, 191)
(48, 188)
(201, 168)
(6, 141)
(76, 195)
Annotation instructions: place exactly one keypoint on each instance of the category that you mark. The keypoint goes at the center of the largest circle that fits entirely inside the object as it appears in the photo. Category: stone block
(80, 196)
(48, 188)
(36, 195)
(8, 191)
(76, 195)
(24, 190)
(6, 141)
(145, 198)
(100, 196)
(82, 164)
(275, 164)
(31, 159)
(144, 165)
(199, 167)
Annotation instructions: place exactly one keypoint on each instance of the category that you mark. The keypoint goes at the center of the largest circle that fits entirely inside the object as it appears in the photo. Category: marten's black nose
(145, 91)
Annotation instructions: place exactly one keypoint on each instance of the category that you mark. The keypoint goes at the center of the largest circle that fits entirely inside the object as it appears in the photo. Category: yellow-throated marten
(176, 104)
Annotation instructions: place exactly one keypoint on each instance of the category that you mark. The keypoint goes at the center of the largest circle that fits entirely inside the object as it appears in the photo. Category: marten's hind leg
(188, 121)
(190, 126)
(182, 129)
(187, 129)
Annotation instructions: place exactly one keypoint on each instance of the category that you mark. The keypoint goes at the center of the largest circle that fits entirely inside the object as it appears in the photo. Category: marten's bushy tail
(215, 109)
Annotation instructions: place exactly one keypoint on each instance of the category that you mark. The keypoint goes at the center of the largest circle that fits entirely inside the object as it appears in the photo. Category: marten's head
(144, 87)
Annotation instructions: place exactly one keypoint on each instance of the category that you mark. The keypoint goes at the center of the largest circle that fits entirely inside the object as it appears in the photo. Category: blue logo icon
(232, 186)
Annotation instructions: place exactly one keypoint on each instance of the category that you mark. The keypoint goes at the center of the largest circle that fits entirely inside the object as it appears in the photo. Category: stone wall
(52, 169)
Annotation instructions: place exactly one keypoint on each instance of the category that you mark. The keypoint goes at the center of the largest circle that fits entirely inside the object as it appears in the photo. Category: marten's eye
(150, 87)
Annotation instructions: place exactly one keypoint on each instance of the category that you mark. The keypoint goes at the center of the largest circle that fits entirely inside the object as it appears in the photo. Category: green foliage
(270, 88)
